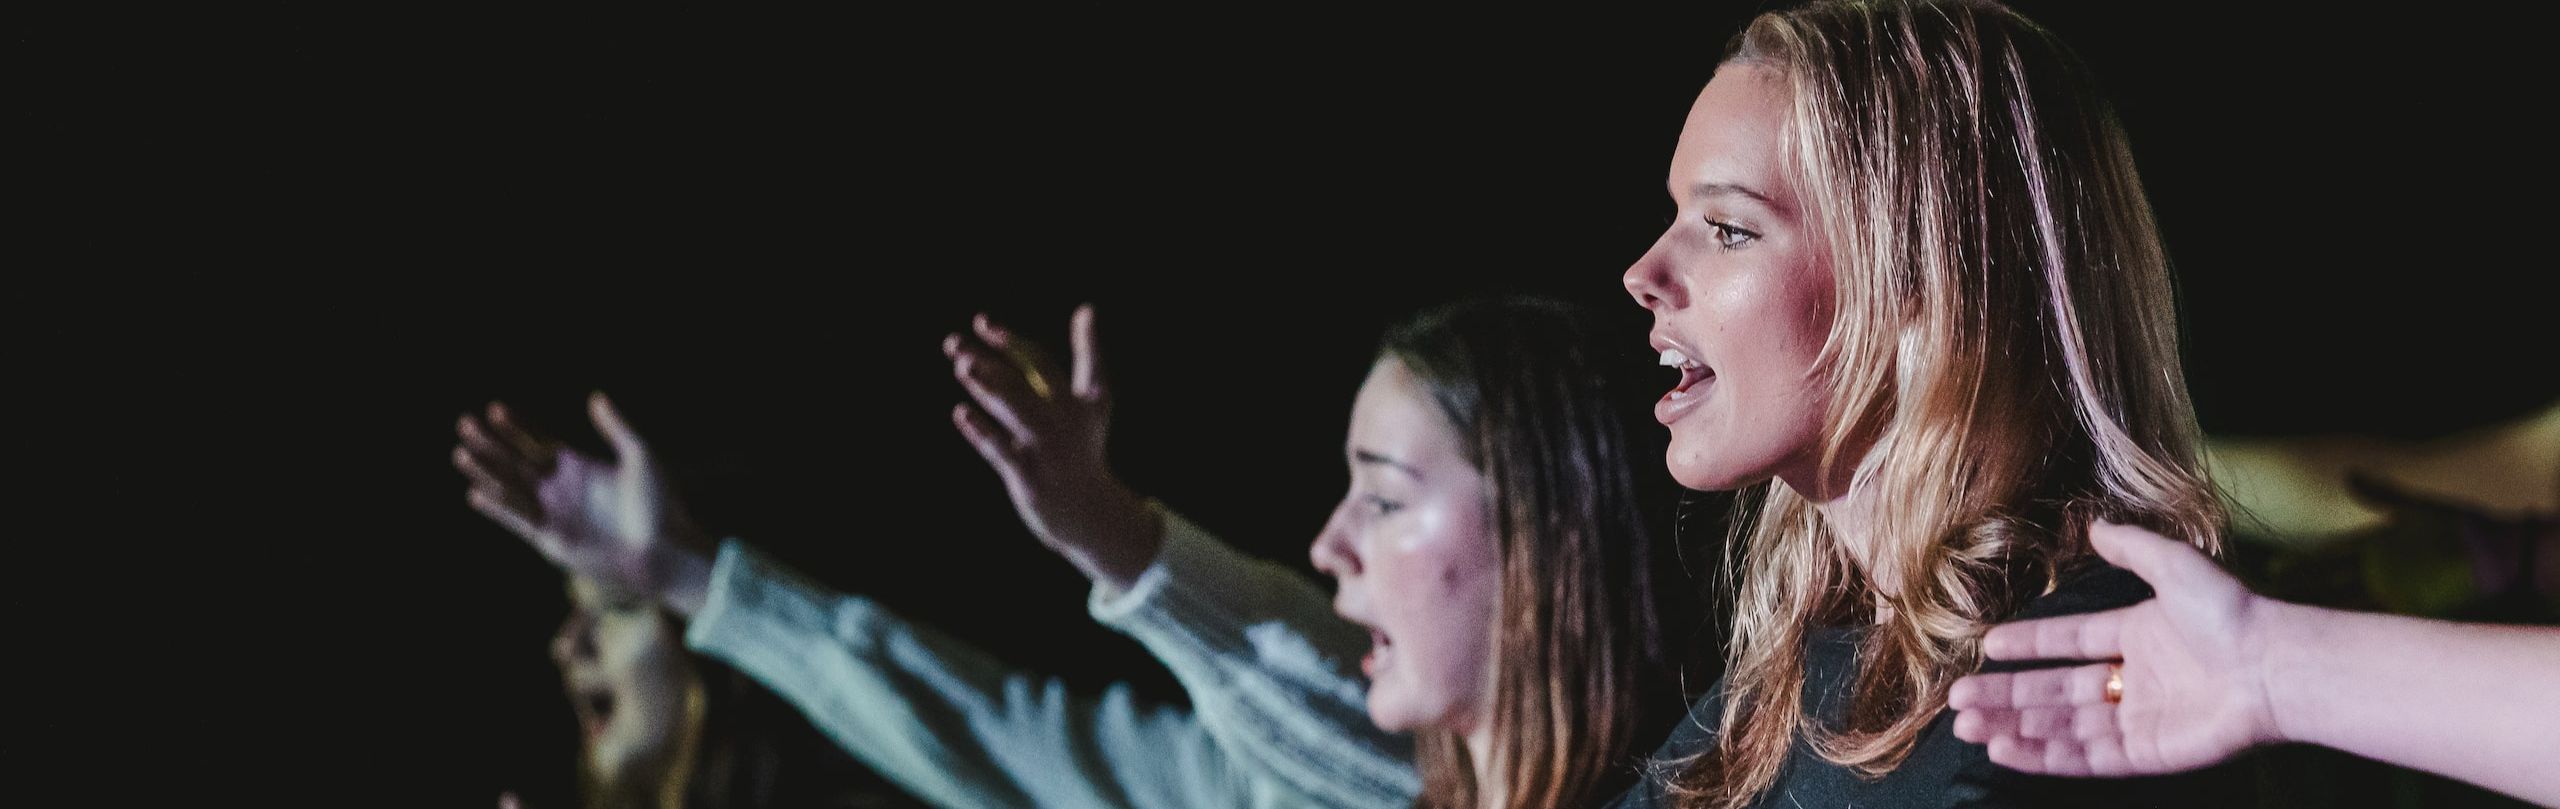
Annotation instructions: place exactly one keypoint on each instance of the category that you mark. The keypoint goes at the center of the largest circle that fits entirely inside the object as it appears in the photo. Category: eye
(1380, 506)
(1731, 237)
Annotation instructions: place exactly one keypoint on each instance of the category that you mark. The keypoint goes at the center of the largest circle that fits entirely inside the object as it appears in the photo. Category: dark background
(266, 258)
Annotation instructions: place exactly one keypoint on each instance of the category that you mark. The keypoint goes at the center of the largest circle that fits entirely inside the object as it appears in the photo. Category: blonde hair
(2003, 351)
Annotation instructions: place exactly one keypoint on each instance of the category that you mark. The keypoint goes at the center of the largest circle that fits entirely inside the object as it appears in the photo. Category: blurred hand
(1048, 443)
(611, 520)
(2194, 683)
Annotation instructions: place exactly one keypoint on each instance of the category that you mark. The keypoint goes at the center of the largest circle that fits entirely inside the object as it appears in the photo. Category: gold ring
(2115, 683)
(1030, 365)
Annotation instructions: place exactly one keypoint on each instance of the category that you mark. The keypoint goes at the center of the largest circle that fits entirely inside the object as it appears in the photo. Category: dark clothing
(1943, 771)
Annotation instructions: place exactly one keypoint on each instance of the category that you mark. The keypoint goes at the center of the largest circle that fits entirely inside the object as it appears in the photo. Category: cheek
(1445, 592)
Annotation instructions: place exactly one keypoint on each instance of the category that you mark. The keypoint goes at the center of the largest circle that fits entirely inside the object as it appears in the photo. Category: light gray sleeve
(1271, 670)
(946, 721)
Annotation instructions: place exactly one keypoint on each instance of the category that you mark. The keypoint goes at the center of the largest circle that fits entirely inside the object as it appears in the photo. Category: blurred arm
(948, 722)
(1271, 670)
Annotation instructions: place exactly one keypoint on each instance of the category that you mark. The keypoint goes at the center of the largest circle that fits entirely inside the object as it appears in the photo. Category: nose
(576, 640)
(1651, 280)
(1333, 552)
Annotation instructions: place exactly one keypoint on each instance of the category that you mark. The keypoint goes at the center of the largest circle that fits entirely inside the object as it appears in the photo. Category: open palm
(610, 519)
(2191, 694)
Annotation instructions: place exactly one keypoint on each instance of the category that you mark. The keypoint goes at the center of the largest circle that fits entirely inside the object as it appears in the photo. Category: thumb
(617, 432)
(1088, 380)
(2137, 549)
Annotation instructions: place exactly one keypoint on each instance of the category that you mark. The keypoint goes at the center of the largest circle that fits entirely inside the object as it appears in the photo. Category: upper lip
(1347, 616)
(1663, 341)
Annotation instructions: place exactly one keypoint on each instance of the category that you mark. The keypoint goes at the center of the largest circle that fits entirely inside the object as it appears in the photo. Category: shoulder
(2093, 587)
(1693, 737)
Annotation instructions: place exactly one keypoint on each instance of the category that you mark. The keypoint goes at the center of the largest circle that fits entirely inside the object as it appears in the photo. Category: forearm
(2480, 703)
(684, 579)
(1268, 666)
(943, 719)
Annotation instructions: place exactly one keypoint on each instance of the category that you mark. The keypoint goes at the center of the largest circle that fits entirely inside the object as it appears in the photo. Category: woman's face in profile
(1741, 295)
(1413, 549)
(627, 677)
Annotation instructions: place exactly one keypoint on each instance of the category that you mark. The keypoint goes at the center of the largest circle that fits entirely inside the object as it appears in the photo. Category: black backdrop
(266, 258)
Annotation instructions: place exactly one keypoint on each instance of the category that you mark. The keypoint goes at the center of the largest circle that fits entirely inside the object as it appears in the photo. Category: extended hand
(610, 520)
(1048, 445)
(2193, 685)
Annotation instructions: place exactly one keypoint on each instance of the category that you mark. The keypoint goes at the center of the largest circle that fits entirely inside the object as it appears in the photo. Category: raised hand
(2193, 684)
(1048, 445)
(612, 520)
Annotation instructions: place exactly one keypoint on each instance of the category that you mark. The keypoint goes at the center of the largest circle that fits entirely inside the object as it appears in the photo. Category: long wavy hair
(2003, 359)
(1583, 679)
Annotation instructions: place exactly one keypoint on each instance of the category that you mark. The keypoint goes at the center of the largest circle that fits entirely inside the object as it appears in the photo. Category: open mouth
(1692, 371)
(595, 711)
(1381, 655)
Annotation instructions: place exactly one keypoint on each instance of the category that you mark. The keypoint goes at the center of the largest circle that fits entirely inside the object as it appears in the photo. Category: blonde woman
(1923, 321)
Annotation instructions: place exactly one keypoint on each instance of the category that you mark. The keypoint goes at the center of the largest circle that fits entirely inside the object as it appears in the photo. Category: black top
(1943, 771)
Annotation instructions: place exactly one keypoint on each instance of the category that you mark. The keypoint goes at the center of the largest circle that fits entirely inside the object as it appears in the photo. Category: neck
(1849, 506)
(1492, 790)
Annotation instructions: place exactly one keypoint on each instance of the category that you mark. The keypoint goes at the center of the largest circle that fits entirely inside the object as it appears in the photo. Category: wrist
(681, 572)
(2294, 639)
(1134, 534)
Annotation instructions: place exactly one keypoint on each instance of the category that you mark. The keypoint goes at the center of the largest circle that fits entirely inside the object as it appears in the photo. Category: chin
(1391, 714)
(1698, 474)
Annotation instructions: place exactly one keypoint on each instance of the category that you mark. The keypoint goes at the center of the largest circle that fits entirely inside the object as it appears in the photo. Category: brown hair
(1582, 676)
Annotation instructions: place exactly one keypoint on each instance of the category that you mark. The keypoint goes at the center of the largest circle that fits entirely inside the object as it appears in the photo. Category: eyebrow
(1365, 456)
(1703, 190)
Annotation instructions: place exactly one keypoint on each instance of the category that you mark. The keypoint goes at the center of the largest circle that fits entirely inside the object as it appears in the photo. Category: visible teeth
(1672, 358)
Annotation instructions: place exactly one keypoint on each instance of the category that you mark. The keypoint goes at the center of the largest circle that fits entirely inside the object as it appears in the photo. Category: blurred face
(627, 676)
(1741, 296)
(1413, 549)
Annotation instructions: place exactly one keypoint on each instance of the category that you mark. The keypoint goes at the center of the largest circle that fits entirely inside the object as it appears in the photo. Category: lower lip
(1678, 403)
(1372, 663)
(595, 728)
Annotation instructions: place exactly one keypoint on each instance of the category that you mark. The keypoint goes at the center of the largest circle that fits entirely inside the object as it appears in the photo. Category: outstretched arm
(2208, 669)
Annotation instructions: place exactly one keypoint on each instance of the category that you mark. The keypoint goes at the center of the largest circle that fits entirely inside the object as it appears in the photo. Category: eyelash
(1381, 506)
(1730, 237)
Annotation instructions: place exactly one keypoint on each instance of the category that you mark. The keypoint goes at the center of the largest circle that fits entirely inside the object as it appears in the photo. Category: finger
(2084, 685)
(1027, 356)
(508, 800)
(527, 442)
(482, 473)
(514, 521)
(2106, 757)
(1981, 692)
(2045, 723)
(2065, 757)
(1002, 394)
(2094, 636)
(2023, 755)
(515, 495)
(2090, 723)
(1980, 725)
(609, 423)
(1088, 382)
(482, 442)
(2047, 688)
(984, 436)
(2149, 555)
